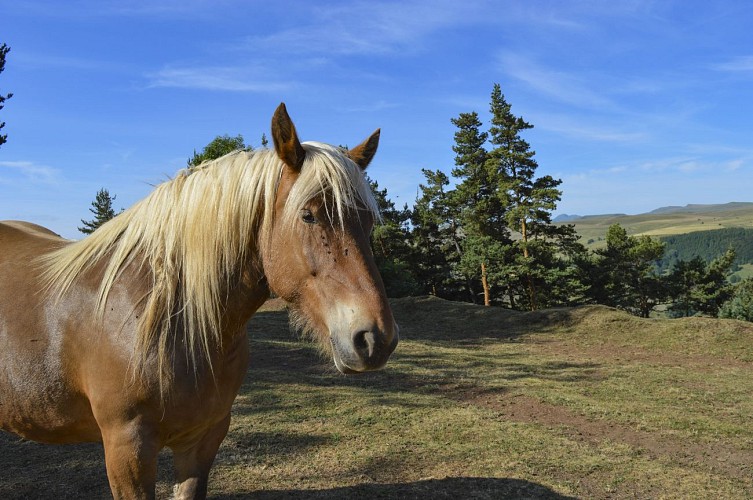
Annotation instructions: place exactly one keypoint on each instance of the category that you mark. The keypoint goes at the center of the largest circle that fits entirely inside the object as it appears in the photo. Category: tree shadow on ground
(434, 489)
(444, 322)
(434, 319)
(279, 357)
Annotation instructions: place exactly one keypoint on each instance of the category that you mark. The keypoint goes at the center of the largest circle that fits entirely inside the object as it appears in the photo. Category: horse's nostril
(364, 343)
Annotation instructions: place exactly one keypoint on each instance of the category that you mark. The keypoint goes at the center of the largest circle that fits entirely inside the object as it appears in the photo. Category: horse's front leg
(192, 463)
(131, 458)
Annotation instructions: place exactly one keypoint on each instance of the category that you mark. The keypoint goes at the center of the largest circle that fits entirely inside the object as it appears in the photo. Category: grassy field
(701, 218)
(475, 403)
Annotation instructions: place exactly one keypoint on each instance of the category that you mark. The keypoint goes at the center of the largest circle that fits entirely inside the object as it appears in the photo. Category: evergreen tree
(553, 269)
(709, 245)
(217, 147)
(528, 203)
(390, 243)
(700, 288)
(102, 210)
(264, 141)
(624, 274)
(475, 195)
(435, 239)
(468, 231)
(480, 213)
(481, 260)
(740, 305)
(4, 49)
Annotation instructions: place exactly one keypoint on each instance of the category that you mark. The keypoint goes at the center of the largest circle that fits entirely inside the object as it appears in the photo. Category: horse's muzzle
(365, 350)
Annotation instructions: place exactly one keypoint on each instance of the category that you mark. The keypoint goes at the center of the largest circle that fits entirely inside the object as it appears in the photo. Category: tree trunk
(468, 281)
(471, 291)
(485, 284)
(531, 287)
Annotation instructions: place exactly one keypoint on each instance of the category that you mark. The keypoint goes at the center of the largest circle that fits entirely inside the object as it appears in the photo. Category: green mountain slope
(666, 221)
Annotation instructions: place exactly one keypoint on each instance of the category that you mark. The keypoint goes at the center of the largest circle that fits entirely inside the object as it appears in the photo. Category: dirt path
(725, 459)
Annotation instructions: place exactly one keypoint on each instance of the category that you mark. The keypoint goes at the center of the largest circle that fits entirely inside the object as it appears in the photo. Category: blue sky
(636, 104)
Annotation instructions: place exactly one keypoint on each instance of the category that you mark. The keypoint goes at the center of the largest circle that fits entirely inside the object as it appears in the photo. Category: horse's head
(317, 256)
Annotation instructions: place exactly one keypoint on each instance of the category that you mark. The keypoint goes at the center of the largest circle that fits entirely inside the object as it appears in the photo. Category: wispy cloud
(667, 166)
(151, 8)
(558, 85)
(370, 108)
(571, 127)
(324, 37)
(30, 171)
(736, 65)
(368, 27)
(695, 165)
(215, 78)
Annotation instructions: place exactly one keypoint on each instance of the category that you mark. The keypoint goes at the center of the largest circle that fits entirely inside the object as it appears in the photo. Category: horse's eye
(308, 217)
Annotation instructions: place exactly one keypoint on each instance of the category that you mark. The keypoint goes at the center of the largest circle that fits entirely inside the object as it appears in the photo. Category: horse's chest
(200, 403)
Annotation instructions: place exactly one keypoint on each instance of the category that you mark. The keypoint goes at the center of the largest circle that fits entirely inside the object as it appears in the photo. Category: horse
(135, 336)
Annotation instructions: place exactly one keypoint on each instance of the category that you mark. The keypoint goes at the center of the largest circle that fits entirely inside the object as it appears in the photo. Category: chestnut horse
(136, 335)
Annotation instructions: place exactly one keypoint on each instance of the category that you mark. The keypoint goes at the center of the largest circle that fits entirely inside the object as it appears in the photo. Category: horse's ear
(285, 138)
(364, 152)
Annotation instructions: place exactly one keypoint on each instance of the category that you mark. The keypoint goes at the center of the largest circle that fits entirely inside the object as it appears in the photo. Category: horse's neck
(243, 299)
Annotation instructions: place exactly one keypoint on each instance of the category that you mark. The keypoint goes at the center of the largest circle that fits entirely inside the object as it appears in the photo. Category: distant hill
(665, 221)
(700, 209)
(572, 218)
(704, 231)
(566, 218)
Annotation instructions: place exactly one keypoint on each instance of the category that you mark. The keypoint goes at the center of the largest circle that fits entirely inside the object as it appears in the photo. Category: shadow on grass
(445, 322)
(434, 319)
(77, 471)
(43, 471)
(266, 447)
(448, 488)
(279, 358)
(33, 470)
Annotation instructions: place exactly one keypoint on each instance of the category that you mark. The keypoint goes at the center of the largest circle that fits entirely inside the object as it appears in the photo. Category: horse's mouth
(341, 366)
(337, 357)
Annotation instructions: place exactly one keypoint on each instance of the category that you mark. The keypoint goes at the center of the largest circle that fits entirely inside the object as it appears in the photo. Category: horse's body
(135, 336)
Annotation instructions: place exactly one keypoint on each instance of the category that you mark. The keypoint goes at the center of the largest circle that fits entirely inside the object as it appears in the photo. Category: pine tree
(435, 239)
(481, 213)
(700, 288)
(475, 194)
(625, 273)
(493, 231)
(528, 202)
(390, 243)
(102, 210)
(4, 49)
(740, 305)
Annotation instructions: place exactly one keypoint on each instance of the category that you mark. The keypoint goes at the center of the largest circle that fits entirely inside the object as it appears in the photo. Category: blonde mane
(194, 234)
